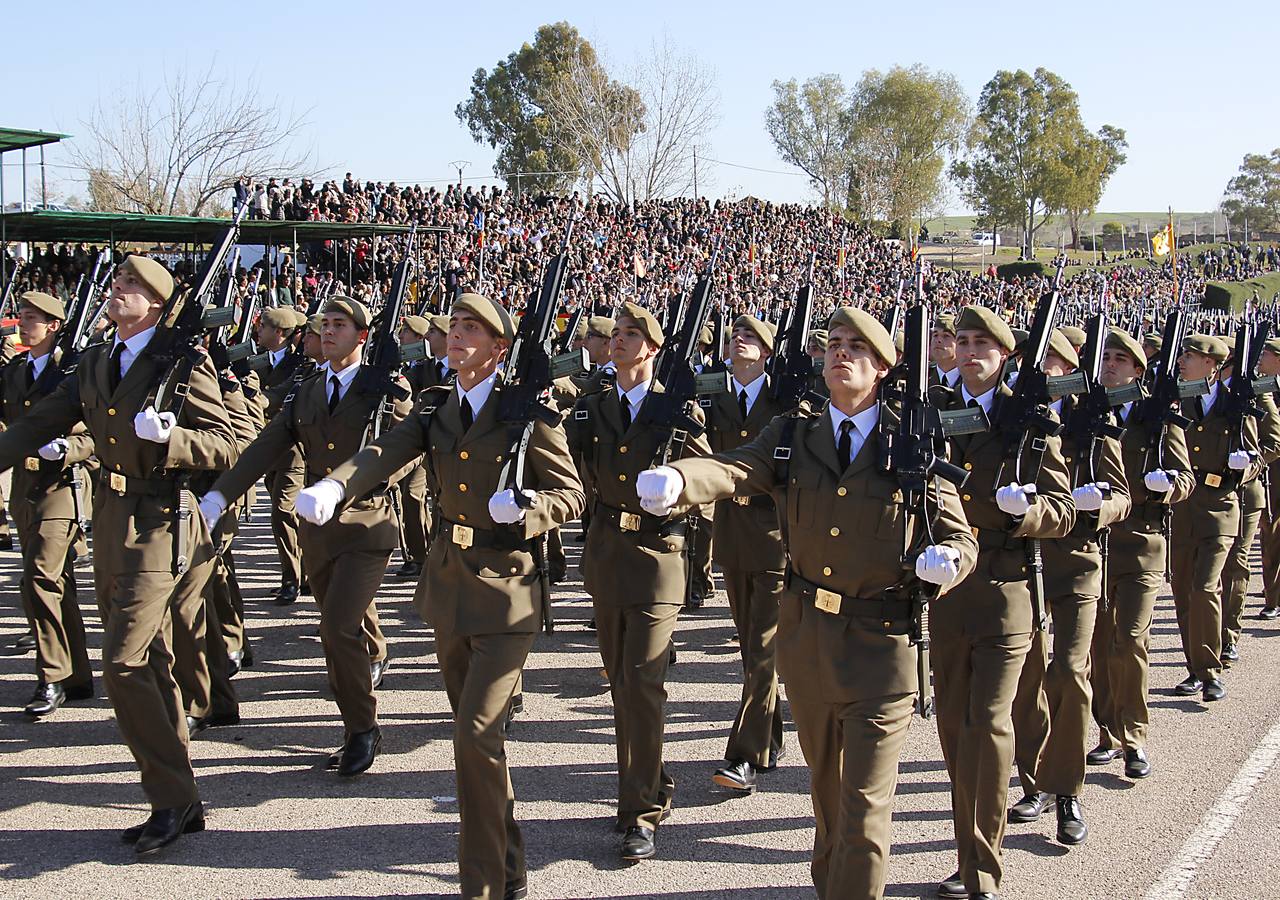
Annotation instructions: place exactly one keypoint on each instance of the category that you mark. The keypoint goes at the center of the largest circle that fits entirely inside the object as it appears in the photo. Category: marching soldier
(421, 374)
(1209, 521)
(1051, 707)
(481, 591)
(285, 477)
(843, 643)
(328, 417)
(635, 615)
(747, 546)
(1269, 365)
(981, 634)
(8, 350)
(1135, 570)
(49, 502)
(942, 351)
(142, 528)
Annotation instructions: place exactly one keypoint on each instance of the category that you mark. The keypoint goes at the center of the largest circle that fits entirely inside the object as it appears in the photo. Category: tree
(1254, 194)
(1090, 161)
(173, 150)
(1023, 130)
(810, 128)
(508, 108)
(904, 124)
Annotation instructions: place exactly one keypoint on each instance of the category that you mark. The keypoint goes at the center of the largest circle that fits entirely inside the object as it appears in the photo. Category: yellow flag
(1162, 240)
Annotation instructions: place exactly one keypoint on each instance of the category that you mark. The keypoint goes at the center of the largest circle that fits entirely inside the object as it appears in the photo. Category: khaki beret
(601, 325)
(863, 324)
(1060, 345)
(151, 273)
(47, 303)
(1155, 340)
(280, 317)
(899, 342)
(762, 330)
(1273, 345)
(1206, 344)
(419, 325)
(979, 318)
(945, 322)
(439, 323)
(580, 332)
(492, 314)
(313, 324)
(299, 317)
(705, 336)
(1124, 341)
(357, 311)
(644, 320)
(1074, 334)
(1019, 335)
(818, 336)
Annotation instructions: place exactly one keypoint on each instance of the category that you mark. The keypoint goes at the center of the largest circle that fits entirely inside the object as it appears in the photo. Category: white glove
(938, 564)
(1016, 499)
(504, 509)
(659, 489)
(1239, 460)
(1090, 497)
(1158, 481)
(54, 450)
(154, 426)
(318, 503)
(212, 506)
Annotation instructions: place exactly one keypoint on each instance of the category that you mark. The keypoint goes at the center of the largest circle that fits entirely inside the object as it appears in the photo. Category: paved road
(281, 826)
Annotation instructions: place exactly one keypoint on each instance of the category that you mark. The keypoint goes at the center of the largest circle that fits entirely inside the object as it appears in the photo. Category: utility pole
(460, 164)
(695, 171)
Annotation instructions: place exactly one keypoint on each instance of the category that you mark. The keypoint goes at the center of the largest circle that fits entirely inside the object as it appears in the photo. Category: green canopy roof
(53, 225)
(18, 138)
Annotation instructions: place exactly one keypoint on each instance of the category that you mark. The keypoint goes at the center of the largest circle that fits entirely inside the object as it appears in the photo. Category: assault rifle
(7, 298)
(525, 397)
(75, 333)
(791, 369)
(381, 366)
(1241, 395)
(718, 328)
(1024, 421)
(915, 453)
(565, 341)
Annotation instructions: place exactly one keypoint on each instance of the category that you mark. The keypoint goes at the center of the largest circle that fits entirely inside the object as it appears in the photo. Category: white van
(986, 237)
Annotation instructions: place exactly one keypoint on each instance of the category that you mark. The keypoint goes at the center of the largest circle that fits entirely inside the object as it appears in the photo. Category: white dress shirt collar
(277, 356)
(635, 396)
(864, 424)
(38, 364)
(985, 400)
(478, 395)
(132, 347)
(753, 390)
(344, 377)
(1207, 400)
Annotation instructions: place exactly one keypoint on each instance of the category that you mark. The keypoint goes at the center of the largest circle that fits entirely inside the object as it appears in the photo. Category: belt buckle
(1213, 479)
(742, 501)
(117, 482)
(463, 536)
(32, 464)
(629, 521)
(827, 601)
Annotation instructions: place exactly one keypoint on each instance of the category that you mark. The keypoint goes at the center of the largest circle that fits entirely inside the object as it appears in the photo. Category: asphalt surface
(279, 825)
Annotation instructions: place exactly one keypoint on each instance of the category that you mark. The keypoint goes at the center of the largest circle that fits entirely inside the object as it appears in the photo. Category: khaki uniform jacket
(996, 600)
(492, 586)
(1214, 505)
(845, 531)
(1148, 511)
(1253, 493)
(747, 534)
(140, 519)
(326, 439)
(46, 484)
(626, 569)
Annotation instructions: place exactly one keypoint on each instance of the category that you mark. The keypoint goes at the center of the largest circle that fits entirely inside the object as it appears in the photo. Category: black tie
(440, 370)
(626, 412)
(334, 395)
(1200, 407)
(31, 373)
(742, 403)
(844, 447)
(468, 416)
(974, 404)
(113, 370)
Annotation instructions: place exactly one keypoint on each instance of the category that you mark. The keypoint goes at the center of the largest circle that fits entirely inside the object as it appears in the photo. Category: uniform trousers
(1198, 559)
(49, 597)
(1235, 575)
(283, 485)
(753, 601)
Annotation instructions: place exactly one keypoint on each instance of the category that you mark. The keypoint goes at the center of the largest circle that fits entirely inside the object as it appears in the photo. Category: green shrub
(1022, 269)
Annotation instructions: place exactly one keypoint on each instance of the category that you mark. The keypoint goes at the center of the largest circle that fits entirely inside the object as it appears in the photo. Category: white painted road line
(1217, 822)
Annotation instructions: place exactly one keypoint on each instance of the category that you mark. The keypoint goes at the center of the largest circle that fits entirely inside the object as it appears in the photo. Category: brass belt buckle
(629, 521)
(463, 536)
(117, 482)
(32, 464)
(827, 601)
(1213, 479)
(742, 501)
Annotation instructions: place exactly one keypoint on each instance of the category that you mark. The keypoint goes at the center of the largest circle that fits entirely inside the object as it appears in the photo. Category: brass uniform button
(462, 517)
(111, 412)
(835, 532)
(328, 471)
(1196, 449)
(111, 440)
(743, 433)
(26, 402)
(840, 492)
(463, 488)
(966, 497)
(622, 449)
(888, 624)
(622, 477)
(330, 446)
(497, 459)
(969, 466)
(464, 455)
(514, 570)
(826, 570)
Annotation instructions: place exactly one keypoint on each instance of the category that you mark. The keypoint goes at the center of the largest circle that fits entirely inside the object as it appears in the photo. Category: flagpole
(1174, 242)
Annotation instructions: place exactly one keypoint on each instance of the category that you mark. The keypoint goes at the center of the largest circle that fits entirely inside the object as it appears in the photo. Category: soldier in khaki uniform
(47, 510)
(1205, 526)
(1051, 707)
(1268, 365)
(635, 614)
(982, 633)
(1135, 571)
(285, 477)
(747, 546)
(137, 517)
(8, 350)
(1253, 501)
(345, 559)
(842, 638)
(942, 351)
(421, 374)
(481, 591)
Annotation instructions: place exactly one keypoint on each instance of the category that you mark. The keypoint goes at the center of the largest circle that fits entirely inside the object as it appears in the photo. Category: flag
(639, 266)
(840, 259)
(479, 223)
(1162, 241)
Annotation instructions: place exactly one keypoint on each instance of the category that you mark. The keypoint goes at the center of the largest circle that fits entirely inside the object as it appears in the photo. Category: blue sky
(1188, 82)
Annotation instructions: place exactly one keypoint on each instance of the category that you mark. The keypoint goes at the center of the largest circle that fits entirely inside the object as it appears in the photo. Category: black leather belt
(888, 609)
(639, 523)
